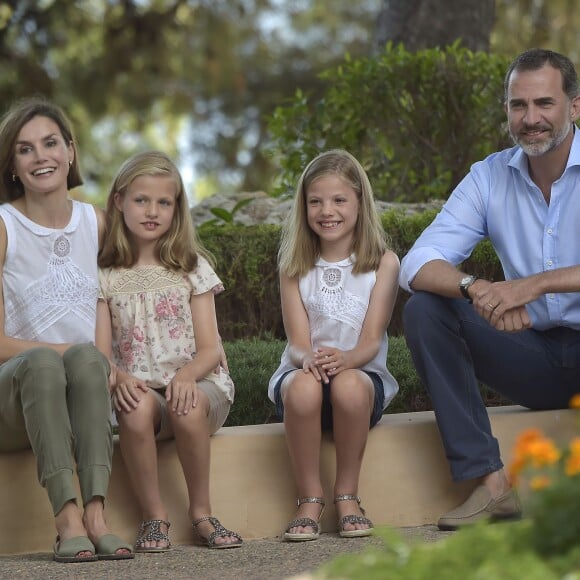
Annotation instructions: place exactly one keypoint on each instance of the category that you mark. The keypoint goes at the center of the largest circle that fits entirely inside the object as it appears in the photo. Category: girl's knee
(142, 419)
(352, 390)
(195, 422)
(148, 406)
(303, 395)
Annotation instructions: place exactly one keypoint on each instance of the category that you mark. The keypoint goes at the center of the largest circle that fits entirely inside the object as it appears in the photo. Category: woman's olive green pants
(60, 407)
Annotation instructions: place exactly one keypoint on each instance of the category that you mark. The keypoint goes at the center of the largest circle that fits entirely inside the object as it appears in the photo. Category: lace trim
(145, 278)
(64, 290)
(333, 301)
(154, 278)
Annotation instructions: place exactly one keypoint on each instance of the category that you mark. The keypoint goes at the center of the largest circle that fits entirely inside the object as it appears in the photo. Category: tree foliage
(522, 24)
(422, 24)
(138, 73)
(416, 120)
(197, 78)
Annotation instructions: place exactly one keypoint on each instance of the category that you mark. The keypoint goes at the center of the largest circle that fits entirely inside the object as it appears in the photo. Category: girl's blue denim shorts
(326, 410)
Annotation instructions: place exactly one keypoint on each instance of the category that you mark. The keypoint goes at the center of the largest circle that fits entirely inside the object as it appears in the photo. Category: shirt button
(551, 296)
(549, 262)
(550, 231)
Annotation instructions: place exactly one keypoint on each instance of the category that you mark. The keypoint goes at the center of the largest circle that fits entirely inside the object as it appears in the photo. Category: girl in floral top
(156, 321)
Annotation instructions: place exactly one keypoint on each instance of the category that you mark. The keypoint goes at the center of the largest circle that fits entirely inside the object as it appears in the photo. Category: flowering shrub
(548, 479)
(545, 545)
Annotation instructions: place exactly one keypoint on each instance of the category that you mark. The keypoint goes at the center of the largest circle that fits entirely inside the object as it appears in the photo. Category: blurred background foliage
(415, 120)
(201, 78)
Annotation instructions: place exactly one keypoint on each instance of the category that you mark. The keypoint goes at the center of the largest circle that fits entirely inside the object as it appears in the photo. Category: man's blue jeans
(453, 348)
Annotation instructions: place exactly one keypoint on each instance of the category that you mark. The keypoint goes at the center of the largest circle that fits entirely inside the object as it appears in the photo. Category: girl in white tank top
(338, 285)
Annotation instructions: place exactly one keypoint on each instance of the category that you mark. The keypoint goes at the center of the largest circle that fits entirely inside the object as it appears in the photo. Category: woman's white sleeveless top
(50, 277)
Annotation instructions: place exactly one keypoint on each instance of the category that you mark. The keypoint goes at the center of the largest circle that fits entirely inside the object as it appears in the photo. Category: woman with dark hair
(54, 383)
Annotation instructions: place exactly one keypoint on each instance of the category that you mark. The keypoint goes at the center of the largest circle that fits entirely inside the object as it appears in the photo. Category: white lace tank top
(50, 277)
(336, 301)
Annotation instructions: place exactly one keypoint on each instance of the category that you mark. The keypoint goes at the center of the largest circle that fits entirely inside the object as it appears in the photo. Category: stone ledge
(404, 482)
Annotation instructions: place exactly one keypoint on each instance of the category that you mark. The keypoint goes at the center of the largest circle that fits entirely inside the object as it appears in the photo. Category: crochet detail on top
(64, 290)
(333, 301)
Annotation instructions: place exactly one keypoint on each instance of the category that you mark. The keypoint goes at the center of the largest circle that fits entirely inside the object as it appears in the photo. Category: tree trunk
(422, 24)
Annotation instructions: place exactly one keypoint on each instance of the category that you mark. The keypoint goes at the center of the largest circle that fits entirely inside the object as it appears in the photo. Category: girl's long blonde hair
(179, 247)
(300, 246)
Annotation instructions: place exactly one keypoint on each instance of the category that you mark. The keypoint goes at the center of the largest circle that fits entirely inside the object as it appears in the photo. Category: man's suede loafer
(481, 506)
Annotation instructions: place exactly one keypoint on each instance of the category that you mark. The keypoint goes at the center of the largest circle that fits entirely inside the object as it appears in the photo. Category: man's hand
(502, 304)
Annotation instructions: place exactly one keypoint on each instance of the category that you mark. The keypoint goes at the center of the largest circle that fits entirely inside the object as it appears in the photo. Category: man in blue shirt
(520, 336)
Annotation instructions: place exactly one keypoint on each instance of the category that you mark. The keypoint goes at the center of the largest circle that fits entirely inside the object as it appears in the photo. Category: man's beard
(541, 147)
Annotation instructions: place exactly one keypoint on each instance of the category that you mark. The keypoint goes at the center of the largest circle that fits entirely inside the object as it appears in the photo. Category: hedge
(246, 262)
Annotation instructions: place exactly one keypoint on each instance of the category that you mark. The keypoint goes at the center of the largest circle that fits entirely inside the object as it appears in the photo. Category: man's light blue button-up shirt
(499, 200)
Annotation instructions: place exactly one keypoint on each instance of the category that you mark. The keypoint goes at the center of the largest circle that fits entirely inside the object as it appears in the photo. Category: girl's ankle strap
(347, 497)
(312, 499)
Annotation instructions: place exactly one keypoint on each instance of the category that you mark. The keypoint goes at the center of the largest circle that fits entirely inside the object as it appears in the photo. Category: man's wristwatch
(464, 285)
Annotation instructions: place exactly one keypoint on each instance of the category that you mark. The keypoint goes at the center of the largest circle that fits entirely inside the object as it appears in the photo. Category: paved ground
(268, 559)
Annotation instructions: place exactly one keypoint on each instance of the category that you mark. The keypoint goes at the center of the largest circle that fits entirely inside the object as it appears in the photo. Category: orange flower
(521, 452)
(534, 450)
(575, 401)
(543, 452)
(575, 446)
(572, 466)
(527, 436)
(515, 468)
(540, 482)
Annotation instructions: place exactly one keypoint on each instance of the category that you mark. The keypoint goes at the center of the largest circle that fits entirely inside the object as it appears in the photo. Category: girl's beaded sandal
(150, 531)
(219, 532)
(353, 519)
(305, 522)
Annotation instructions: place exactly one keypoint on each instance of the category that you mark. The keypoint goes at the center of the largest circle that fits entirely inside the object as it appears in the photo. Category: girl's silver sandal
(353, 519)
(305, 522)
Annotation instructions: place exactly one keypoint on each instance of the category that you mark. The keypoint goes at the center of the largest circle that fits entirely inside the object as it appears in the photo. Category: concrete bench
(405, 480)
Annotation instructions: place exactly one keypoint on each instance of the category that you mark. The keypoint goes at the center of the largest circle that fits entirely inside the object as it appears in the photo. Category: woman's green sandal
(108, 545)
(67, 551)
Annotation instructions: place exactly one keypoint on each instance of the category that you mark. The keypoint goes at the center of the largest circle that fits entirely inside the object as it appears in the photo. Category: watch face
(465, 283)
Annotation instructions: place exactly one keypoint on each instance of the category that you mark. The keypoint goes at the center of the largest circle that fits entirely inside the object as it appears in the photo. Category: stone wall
(265, 209)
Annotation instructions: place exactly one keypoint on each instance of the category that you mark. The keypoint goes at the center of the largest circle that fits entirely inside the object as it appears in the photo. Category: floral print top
(151, 320)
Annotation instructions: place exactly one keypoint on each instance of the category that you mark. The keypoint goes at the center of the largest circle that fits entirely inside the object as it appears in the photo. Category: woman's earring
(13, 178)
(70, 163)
